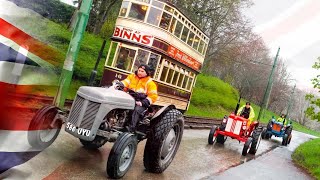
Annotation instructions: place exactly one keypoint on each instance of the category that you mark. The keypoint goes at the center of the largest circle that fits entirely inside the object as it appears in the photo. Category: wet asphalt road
(66, 159)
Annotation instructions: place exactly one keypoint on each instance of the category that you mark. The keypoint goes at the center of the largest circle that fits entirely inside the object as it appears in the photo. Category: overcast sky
(294, 26)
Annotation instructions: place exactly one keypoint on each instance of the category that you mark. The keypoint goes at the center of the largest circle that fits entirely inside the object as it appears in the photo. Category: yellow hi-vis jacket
(283, 120)
(251, 115)
(142, 85)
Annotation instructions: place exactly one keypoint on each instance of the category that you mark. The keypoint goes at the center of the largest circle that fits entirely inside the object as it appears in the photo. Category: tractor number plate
(80, 131)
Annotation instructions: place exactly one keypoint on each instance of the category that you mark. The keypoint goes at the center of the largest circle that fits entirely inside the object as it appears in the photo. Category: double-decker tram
(156, 33)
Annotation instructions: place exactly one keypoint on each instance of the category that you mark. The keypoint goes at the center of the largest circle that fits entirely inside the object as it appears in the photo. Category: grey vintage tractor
(99, 115)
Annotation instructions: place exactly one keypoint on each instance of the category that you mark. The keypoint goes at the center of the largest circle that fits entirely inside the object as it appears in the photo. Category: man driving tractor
(283, 120)
(146, 93)
(247, 112)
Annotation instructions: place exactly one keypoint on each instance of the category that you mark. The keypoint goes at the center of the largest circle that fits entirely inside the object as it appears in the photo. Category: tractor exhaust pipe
(237, 107)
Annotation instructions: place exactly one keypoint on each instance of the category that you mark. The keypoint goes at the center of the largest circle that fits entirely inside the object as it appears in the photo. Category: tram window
(184, 34)
(201, 46)
(180, 80)
(190, 83)
(170, 75)
(185, 81)
(165, 21)
(204, 49)
(138, 11)
(141, 58)
(196, 42)
(173, 23)
(124, 8)
(154, 16)
(157, 4)
(178, 29)
(113, 48)
(190, 39)
(125, 58)
(153, 61)
(164, 73)
(145, 1)
(169, 9)
(175, 78)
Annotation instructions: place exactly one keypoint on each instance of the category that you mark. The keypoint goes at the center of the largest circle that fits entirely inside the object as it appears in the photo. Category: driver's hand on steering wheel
(138, 103)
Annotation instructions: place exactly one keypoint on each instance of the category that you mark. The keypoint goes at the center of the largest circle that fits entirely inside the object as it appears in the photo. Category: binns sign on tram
(133, 35)
(145, 39)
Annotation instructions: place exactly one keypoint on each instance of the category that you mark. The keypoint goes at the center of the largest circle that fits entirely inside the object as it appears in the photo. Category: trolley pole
(72, 54)
(267, 91)
(94, 71)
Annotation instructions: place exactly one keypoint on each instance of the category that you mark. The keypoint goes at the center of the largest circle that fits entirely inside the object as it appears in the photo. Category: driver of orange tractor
(247, 112)
(283, 120)
(146, 93)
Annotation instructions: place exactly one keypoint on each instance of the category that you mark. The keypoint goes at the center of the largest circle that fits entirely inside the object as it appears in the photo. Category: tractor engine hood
(107, 96)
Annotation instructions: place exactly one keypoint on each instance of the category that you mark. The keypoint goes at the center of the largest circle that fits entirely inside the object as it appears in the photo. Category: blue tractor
(278, 129)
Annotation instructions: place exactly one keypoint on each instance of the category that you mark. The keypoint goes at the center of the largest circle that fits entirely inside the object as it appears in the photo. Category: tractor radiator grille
(90, 113)
(233, 126)
(76, 109)
(276, 127)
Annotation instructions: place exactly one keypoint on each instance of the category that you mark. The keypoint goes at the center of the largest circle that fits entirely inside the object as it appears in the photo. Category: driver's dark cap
(146, 68)
(247, 103)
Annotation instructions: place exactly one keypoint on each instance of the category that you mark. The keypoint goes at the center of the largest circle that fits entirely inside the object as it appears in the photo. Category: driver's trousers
(137, 115)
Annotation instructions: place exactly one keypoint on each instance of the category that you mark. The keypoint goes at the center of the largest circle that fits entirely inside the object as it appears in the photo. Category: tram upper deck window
(201, 46)
(178, 29)
(173, 23)
(165, 21)
(125, 58)
(138, 11)
(157, 4)
(196, 42)
(154, 16)
(184, 34)
(169, 9)
(124, 8)
(145, 1)
(190, 39)
(142, 58)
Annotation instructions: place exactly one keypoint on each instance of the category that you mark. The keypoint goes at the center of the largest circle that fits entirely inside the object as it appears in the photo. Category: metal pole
(267, 91)
(94, 71)
(72, 54)
(290, 101)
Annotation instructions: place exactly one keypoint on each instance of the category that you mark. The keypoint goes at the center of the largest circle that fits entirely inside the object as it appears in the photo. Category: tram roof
(174, 6)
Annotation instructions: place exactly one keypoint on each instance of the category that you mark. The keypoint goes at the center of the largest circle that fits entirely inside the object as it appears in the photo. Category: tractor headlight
(244, 127)
(224, 120)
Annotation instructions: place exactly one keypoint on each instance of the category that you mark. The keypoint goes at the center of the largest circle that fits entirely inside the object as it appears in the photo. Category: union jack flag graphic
(23, 69)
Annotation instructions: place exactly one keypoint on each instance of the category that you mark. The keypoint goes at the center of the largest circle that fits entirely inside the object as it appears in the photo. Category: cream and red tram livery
(158, 34)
